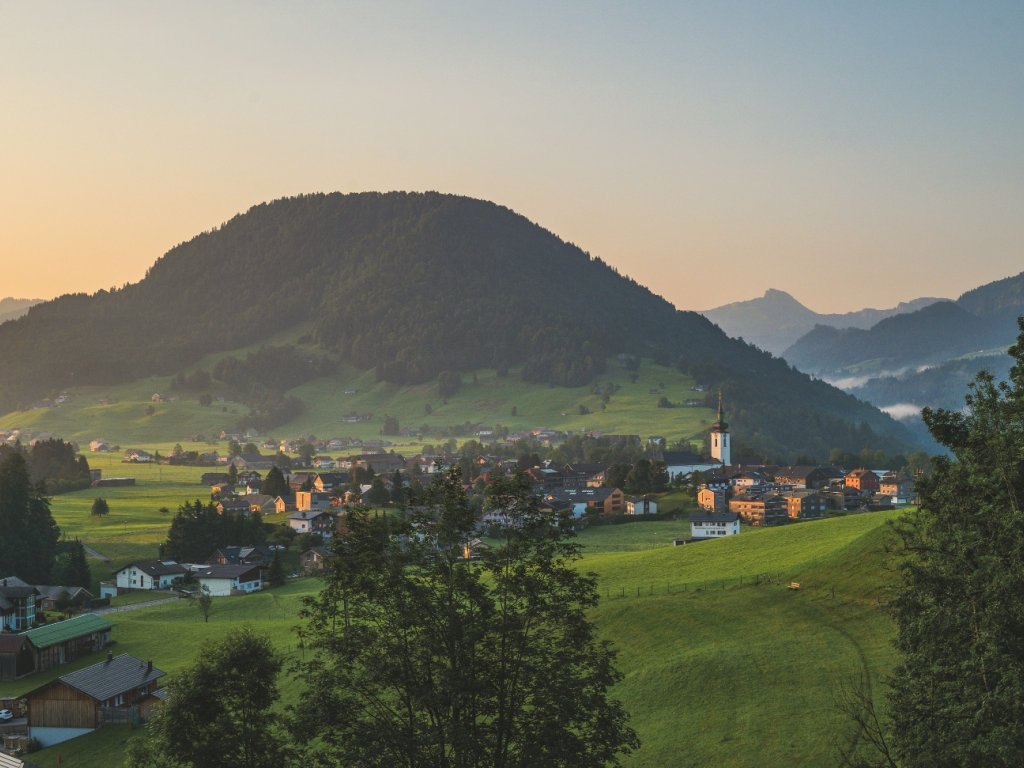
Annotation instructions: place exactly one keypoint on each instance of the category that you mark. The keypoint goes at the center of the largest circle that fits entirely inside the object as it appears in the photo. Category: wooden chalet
(64, 641)
(111, 691)
(15, 657)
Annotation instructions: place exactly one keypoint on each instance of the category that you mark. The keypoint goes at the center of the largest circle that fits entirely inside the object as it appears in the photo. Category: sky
(852, 154)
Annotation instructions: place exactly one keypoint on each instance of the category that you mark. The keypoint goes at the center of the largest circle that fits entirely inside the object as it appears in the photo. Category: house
(712, 525)
(579, 475)
(17, 605)
(214, 478)
(604, 501)
(284, 504)
(864, 480)
(811, 478)
(312, 500)
(315, 560)
(82, 701)
(233, 507)
(544, 478)
(326, 482)
(256, 555)
(15, 657)
(260, 502)
(899, 488)
(62, 641)
(769, 509)
(50, 597)
(149, 574)
(805, 505)
(224, 580)
(712, 499)
(645, 505)
(684, 463)
(312, 521)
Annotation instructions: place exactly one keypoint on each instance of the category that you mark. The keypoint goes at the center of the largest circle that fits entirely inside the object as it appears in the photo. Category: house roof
(11, 643)
(13, 581)
(308, 514)
(323, 552)
(53, 592)
(107, 679)
(226, 571)
(714, 517)
(154, 568)
(61, 631)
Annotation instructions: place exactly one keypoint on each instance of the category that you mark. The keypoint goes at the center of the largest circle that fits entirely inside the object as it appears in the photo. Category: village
(304, 504)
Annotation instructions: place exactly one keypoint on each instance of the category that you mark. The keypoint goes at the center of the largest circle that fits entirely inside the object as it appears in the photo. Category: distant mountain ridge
(12, 308)
(980, 320)
(416, 286)
(776, 320)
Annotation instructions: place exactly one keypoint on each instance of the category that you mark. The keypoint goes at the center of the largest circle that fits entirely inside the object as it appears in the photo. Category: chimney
(110, 656)
(149, 667)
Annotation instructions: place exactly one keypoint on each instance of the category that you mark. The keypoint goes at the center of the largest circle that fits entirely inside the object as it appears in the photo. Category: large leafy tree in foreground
(957, 695)
(424, 658)
(219, 711)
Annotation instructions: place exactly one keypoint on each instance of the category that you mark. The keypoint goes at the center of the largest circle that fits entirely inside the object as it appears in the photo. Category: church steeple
(720, 448)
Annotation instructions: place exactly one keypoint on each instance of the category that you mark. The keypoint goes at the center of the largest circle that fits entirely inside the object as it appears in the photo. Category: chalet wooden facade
(63, 641)
(15, 657)
(50, 645)
(109, 692)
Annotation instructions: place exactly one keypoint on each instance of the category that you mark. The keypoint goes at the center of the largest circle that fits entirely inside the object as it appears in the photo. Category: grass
(484, 399)
(729, 676)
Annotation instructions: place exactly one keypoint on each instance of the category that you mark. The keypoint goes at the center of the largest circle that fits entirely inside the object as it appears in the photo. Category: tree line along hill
(414, 287)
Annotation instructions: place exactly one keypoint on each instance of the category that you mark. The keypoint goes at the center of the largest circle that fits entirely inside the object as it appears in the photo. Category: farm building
(113, 691)
(15, 657)
(64, 641)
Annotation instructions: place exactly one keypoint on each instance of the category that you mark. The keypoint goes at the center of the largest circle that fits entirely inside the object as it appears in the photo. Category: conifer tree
(957, 695)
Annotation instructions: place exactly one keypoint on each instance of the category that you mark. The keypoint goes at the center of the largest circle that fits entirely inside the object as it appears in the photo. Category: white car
(6, 714)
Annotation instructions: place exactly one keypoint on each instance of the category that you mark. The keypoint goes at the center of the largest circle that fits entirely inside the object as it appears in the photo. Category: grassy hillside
(483, 399)
(730, 675)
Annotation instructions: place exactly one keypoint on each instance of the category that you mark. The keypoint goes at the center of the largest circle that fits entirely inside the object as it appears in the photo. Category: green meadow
(119, 413)
(729, 674)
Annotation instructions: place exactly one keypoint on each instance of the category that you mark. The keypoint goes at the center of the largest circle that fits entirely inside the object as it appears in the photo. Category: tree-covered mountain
(413, 286)
(981, 319)
(776, 320)
(11, 308)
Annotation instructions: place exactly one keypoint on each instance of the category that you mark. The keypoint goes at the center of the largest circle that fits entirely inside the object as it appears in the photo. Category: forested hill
(980, 320)
(412, 285)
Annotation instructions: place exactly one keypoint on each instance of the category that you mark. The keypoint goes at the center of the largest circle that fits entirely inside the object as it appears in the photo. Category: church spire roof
(720, 425)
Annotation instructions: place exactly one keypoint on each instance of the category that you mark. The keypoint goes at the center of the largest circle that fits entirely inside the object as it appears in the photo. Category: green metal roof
(59, 631)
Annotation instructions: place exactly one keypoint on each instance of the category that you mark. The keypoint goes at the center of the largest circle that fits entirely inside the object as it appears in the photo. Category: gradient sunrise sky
(853, 153)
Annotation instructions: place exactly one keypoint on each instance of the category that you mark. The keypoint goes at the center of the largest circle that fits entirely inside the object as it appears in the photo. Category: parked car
(6, 714)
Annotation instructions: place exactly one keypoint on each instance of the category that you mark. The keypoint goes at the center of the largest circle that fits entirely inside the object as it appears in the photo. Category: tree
(424, 658)
(99, 507)
(204, 602)
(274, 483)
(397, 488)
(219, 713)
(306, 453)
(28, 544)
(276, 573)
(378, 493)
(957, 694)
(71, 569)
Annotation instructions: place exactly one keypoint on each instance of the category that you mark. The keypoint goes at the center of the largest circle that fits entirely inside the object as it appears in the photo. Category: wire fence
(652, 589)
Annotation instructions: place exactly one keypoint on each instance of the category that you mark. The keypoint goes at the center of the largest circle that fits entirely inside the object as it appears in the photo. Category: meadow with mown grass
(731, 674)
(121, 413)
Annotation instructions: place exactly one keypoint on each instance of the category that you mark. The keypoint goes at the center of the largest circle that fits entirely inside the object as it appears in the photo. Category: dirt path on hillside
(134, 606)
(94, 554)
